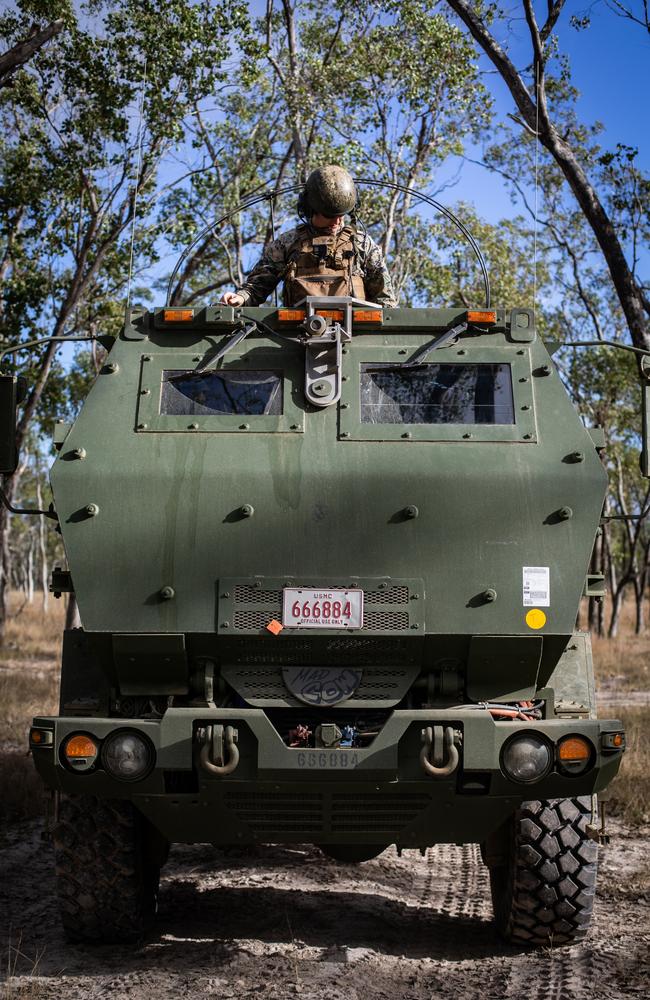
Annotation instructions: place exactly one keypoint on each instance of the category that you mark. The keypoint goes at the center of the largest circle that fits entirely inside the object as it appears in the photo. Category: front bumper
(375, 795)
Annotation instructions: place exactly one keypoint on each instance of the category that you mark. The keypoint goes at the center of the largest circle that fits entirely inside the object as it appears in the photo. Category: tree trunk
(535, 116)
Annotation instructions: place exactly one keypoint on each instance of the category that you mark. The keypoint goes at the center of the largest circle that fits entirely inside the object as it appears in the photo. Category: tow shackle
(219, 752)
(442, 741)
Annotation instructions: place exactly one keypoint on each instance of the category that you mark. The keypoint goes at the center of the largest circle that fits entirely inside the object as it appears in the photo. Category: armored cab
(328, 562)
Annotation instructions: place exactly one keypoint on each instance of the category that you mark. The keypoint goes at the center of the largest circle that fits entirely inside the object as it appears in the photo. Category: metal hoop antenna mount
(273, 195)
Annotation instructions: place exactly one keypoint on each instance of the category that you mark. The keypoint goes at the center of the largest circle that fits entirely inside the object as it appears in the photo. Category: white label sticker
(537, 587)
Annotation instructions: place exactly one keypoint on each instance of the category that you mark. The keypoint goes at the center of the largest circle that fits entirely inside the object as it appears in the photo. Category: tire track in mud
(279, 922)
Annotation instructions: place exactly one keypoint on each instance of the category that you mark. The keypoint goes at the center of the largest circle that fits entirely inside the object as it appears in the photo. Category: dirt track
(287, 922)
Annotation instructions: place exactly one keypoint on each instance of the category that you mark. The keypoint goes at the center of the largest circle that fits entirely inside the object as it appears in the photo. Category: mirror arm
(26, 510)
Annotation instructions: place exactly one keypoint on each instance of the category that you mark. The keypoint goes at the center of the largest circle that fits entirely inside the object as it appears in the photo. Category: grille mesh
(390, 595)
(321, 650)
(259, 684)
(271, 813)
(254, 607)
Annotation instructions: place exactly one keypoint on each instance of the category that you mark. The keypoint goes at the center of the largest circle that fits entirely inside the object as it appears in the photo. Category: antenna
(137, 181)
(536, 185)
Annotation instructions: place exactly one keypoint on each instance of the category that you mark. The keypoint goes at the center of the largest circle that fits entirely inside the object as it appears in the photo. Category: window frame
(150, 419)
(524, 428)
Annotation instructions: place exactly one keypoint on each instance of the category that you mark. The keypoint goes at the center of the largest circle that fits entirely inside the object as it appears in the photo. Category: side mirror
(12, 392)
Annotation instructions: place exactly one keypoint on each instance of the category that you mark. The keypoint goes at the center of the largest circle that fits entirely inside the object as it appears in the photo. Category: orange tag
(275, 626)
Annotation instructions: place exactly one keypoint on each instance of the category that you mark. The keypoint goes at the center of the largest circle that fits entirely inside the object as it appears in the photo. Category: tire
(544, 892)
(107, 878)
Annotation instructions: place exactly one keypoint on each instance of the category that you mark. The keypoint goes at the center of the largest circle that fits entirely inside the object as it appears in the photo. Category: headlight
(526, 757)
(575, 754)
(79, 751)
(127, 755)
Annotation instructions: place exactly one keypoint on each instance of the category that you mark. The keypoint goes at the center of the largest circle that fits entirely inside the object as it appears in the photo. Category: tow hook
(439, 753)
(219, 753)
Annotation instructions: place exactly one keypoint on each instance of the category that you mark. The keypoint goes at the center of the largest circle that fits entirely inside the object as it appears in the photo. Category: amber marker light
(612, 741)
(574, 754)
(80, 752)
(335, 314)
(368, 316)
(291, 315)
(178, 315)
(481, 316)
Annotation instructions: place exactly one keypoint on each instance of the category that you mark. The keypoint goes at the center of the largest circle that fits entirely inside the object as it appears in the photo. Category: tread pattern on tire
(106, 889)
(545, 895)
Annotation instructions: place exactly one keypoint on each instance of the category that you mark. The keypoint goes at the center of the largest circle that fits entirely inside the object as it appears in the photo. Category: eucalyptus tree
(530, 91)
(339, 84)
(87, 126)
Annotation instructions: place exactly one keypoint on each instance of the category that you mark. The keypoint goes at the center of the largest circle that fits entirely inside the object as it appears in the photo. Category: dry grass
(628, 796)
(623, 663)
(33, 634)
(29, 686)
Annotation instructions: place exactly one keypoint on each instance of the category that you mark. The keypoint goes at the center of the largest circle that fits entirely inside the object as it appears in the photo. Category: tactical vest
(322, 265)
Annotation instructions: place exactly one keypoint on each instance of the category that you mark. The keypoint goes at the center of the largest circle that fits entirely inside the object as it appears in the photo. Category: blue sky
(610, 63)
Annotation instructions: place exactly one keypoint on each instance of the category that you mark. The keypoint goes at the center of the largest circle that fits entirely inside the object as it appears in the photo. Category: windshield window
(437, 394)
(222, 392)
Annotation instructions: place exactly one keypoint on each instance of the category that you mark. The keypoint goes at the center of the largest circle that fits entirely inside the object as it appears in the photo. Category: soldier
(323, 255)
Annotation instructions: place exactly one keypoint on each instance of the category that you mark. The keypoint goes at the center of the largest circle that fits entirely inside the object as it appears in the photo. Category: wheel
(349, 854)
(543, 878)
(108, 862)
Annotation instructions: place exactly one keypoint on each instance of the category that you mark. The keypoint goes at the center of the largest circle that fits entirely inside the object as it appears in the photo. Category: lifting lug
(439, 742)
(219, 753)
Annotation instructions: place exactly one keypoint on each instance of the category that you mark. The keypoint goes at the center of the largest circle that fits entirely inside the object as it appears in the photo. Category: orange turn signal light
(178, 315)
(291, 315)
(368, 315)
(481, 316)
(574, 748)
(80, 746)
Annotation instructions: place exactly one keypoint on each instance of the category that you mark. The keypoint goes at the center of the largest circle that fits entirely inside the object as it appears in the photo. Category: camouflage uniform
(272, 265)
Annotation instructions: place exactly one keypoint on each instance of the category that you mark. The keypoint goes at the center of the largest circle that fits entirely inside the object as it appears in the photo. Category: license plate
(307, 607)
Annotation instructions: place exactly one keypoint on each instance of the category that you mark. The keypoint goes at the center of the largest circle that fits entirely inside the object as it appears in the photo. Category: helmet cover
(330, 191)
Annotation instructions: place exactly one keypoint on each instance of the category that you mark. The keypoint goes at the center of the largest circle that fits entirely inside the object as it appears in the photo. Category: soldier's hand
(232, 299)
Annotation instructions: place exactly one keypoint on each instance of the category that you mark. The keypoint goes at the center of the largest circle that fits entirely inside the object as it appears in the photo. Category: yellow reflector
(368, 315)
(291, 315)
(574, 748)
(535, 618)
(80, 746)
(488, 316)
(178, 315)
(336, 314)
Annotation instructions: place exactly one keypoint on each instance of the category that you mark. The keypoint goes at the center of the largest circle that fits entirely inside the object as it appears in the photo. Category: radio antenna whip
(536, 184)
(137, 180)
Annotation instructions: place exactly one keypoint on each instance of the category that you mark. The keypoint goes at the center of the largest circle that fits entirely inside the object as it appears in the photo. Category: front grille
(321, 650)
(303, 813)
(260, 685)
(278, 812)
(386, 609)
(367, 813)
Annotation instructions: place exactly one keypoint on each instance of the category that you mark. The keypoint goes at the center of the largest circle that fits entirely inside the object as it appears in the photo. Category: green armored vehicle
(328, 562)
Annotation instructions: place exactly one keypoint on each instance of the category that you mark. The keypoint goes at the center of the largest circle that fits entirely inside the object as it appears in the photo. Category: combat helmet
(329, 191)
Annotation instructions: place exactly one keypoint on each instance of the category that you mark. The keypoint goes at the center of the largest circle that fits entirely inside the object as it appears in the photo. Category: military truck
(328, 562)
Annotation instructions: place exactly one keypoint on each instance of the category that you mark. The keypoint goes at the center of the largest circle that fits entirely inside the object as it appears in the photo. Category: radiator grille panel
(260, 685)
(323, 651)
(271, 813)
(254, 607)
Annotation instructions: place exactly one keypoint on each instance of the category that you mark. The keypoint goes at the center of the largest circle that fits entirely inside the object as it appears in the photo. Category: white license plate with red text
(307, 607)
